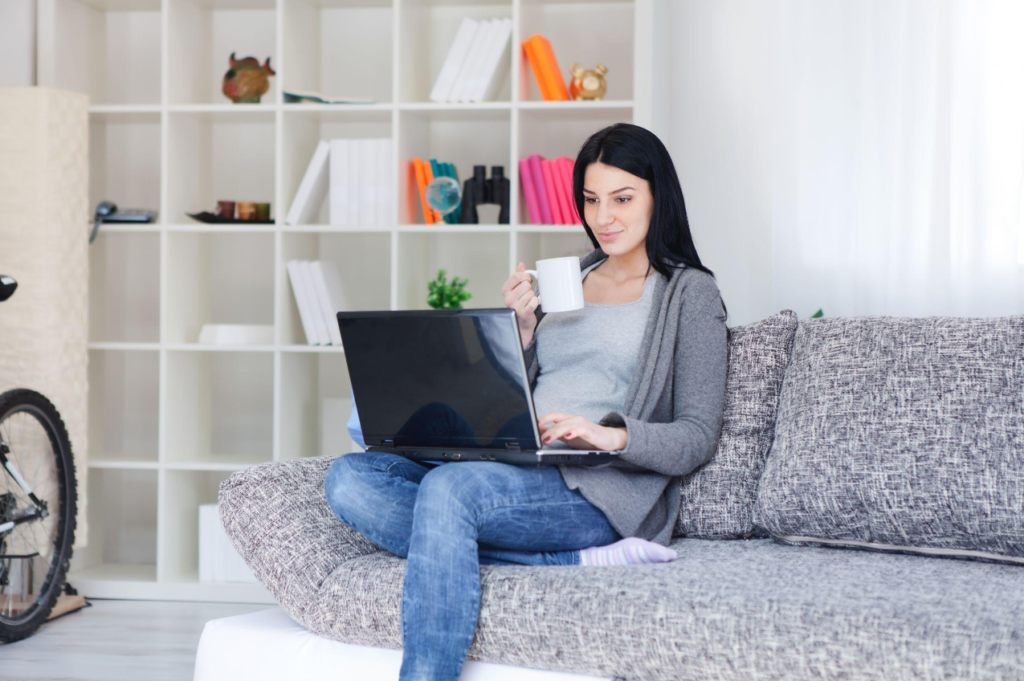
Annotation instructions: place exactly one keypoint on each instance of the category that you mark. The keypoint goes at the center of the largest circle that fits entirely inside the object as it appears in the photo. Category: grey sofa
(862, 518)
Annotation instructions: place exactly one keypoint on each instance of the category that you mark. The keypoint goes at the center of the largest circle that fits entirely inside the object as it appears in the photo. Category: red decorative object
(246, 81)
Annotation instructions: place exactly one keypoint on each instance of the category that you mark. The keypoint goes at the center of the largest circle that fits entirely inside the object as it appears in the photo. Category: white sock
(628, 551)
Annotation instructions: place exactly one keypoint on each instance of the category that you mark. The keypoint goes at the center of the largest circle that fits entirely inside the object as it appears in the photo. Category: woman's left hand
(579, 433)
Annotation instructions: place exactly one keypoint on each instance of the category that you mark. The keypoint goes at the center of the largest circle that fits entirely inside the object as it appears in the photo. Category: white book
(384, 182)
(495, 64)
(322, 335)
(355, 184)
(367, 181)
(328, 311)
(339, 182)
(301, 301)
(471, 62)
(337, 295)
(453, 62)
(476, 75)
(313, 188)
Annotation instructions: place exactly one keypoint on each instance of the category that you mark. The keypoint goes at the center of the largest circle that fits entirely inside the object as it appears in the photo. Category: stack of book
(476, 60)
(547, 188)
(319, 295)
(545, 68)
(358, 174)
(425, 172)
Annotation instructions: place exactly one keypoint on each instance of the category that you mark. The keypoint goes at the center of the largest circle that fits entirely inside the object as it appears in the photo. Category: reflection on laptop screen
(438, 378)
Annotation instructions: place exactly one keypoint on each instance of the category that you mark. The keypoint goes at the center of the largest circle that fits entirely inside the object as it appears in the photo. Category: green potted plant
(445, 296)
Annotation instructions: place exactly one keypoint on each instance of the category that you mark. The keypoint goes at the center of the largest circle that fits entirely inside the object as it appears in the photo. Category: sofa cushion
(901, 433)
(724, 609)
(717, 499)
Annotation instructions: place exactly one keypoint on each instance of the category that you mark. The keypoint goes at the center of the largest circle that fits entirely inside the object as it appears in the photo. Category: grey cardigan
(673, 411)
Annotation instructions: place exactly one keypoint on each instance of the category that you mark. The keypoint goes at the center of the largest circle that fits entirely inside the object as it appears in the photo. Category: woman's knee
(463, 485)
(342, 480)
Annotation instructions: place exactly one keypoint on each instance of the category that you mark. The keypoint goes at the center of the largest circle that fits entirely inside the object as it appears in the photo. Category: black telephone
(107, 211)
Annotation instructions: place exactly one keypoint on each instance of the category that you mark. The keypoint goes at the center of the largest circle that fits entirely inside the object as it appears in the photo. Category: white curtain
(882, 152)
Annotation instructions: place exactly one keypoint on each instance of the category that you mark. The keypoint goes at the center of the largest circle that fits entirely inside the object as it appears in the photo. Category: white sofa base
(270, 646)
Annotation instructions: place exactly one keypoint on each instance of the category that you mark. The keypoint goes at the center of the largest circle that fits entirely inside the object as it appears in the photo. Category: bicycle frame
(40, 511)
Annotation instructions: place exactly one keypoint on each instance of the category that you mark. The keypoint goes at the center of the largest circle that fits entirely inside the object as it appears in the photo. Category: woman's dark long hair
(639, 152)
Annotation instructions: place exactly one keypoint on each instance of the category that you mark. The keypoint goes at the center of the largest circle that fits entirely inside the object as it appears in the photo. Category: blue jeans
(447, 520)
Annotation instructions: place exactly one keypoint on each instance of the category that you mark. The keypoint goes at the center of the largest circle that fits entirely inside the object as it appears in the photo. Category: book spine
(538, 186)
(354, 185)
(554, 75)
(566, 164)
(421, 187)
(446, 78)
(428, 177)
(368, 161)
(560, 194)
(529, 192)
(317, 320)
(385, 182)
(339, 182)
(301, 302)
(533, 57)
(313, 188)
(549, 187)
(496, 61)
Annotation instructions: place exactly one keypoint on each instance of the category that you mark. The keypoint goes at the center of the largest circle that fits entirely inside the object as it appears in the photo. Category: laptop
(438, 386)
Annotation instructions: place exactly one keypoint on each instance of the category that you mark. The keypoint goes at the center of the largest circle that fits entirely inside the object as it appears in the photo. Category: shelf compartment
(124, 160)
(427, 29)
(217, 277)
(462, 137)
(481, 258)
(607, 40)
(552, 132)
(108, 49)
(302, 131)
(219, 408)
(185, 491)
(219, 155)
(204, 33)
(316, 403)
(124, 284)
(122, 517)
(329, 46)
(124, 402)
(364, 263)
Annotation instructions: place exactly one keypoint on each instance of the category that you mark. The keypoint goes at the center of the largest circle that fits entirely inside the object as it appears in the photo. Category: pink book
(529, 191)
(539, 190)
(566, 164)
(563, 197)
(548, 168)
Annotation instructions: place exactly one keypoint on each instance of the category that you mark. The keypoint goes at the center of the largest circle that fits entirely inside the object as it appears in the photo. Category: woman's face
(618, 206)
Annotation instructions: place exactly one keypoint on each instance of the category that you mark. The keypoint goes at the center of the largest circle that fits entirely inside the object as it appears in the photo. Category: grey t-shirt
(586, 357)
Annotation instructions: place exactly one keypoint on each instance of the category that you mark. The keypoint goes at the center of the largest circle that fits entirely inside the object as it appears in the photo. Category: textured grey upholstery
(725, 609)
(902, 432)
(717, 499)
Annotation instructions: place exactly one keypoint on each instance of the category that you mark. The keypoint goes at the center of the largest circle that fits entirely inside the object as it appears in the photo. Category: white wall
(717, 132)
(17, 43)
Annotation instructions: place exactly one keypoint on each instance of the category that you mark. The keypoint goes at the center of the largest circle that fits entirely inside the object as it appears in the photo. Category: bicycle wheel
(35, 553)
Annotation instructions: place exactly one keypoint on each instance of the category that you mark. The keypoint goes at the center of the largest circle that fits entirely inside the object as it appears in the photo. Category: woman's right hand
(519, 295)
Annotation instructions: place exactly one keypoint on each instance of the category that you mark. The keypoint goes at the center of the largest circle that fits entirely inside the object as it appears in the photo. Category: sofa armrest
(277, 517)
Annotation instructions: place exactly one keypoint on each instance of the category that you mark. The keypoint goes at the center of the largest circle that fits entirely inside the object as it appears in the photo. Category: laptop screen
(439, 378)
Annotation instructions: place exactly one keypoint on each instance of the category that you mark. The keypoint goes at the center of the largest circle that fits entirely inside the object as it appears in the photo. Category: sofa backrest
(717, 499)
(903, 434)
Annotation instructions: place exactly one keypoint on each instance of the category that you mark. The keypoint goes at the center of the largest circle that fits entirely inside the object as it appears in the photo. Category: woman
(640, 369)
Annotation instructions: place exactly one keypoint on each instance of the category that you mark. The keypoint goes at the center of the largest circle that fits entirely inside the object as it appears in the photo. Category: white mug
(560, 284)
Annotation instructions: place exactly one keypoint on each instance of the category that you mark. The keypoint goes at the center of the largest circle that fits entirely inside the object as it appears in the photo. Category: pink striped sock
(628, 551)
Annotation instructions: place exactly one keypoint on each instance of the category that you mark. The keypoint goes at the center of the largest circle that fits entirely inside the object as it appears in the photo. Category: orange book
(545, 69)
(535, 65)
(421, 185)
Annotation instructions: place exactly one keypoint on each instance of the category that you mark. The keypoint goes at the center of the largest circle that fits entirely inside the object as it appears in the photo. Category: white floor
(116, 641)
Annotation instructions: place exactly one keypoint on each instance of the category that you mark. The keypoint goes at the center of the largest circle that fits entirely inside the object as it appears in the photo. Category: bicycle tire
(24, 400)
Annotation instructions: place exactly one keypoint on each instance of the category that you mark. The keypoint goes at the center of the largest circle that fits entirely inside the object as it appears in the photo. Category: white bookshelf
(169, 418)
